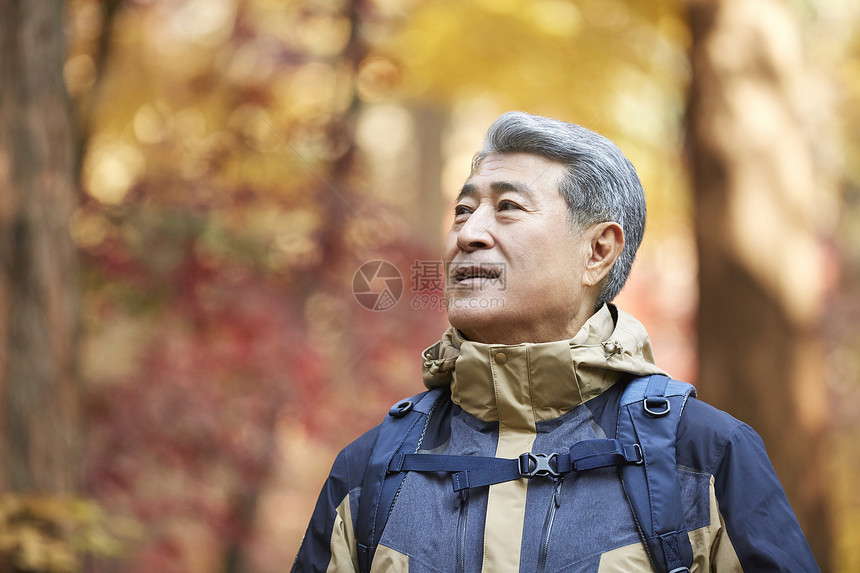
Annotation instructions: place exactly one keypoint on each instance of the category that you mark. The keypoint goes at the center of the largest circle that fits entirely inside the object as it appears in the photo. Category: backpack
(643, 450)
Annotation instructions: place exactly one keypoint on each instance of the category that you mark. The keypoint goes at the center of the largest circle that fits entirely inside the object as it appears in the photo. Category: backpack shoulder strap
(649, 413)
(400, 432)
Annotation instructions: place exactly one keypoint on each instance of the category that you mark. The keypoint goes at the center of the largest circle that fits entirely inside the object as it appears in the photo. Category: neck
(548, 329)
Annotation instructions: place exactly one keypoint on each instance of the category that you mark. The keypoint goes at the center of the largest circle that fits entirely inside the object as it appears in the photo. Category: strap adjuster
(532, 465)
(651, 403)
(639, 459)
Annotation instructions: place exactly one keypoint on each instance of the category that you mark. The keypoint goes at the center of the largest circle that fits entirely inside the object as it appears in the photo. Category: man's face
(515, 262)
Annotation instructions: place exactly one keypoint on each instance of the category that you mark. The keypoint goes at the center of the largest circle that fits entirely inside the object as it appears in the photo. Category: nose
(475, 233)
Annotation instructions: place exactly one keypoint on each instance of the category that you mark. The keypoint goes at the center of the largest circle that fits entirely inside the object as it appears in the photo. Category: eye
(507, 205)
(462, 210)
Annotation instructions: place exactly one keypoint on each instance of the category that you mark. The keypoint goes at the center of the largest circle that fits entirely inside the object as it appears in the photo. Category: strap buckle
(532, 465)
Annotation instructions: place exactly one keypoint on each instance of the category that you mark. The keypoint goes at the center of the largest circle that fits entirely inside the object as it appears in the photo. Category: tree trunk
(38, 261)
(430, 122)
(759, 199)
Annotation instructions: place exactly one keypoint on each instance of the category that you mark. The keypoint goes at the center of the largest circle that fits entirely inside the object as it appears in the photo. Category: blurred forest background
(187, 188)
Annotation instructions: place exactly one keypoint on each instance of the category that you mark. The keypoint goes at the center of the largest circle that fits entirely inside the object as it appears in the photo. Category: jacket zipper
(461, 530)
(554, 504)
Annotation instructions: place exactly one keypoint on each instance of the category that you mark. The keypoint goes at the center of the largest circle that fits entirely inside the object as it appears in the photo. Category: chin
(475, 324)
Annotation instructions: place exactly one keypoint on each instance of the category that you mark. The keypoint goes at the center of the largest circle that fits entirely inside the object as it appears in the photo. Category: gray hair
(601, 184)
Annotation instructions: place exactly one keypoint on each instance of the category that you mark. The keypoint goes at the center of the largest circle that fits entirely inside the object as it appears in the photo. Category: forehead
(523, 172)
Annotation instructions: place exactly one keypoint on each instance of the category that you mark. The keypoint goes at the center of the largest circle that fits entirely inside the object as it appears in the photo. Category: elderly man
(549, 439)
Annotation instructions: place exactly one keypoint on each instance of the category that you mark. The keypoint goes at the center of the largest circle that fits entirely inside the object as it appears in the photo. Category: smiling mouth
(473, 275)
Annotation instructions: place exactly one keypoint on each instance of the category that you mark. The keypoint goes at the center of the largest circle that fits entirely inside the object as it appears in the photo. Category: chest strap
(477, 471)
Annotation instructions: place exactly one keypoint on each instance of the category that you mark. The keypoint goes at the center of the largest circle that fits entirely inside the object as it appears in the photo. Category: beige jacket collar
(521, 384)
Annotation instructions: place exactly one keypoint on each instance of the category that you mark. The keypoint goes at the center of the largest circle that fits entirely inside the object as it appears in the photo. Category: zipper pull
(461, 498)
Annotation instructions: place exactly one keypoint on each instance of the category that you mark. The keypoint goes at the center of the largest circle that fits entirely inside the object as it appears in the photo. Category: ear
(607, 242)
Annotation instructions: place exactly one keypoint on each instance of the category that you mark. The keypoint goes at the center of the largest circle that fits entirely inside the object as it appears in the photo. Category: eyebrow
(498, 187)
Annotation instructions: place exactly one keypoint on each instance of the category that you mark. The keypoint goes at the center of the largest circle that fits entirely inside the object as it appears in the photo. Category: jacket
(509, 399)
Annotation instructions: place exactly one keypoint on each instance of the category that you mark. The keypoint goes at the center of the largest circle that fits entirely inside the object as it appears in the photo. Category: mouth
(474, 274)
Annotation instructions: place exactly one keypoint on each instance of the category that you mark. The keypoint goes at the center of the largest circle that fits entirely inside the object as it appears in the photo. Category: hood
(547, 379)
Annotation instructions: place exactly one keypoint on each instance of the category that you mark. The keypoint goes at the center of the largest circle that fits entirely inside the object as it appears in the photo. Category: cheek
(449, 247)
(551, 266)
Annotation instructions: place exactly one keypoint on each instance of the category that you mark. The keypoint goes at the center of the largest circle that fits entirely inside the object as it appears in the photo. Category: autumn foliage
(238, 162)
